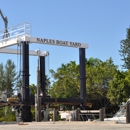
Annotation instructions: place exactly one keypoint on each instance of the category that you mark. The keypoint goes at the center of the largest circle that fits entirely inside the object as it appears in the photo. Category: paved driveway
(65, 126)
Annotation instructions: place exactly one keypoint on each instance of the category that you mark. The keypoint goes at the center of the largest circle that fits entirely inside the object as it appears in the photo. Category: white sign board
(58, 42)
(11, 42)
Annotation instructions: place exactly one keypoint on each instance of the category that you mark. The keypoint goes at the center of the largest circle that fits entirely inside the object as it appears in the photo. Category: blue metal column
(82, 75)
(26, 109)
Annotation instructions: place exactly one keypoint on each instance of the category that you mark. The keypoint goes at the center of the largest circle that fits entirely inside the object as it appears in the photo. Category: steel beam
(24, 38)
(26, 109)
(42, 76)
(31, 52)
(61, 100)
(82, 75)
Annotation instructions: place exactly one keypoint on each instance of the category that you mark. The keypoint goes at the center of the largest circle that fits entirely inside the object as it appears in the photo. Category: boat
(120, 116)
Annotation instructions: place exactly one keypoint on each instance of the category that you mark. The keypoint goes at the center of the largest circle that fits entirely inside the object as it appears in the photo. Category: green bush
(57, 118)
(7, 115)
(2, 119)
(10, 117)
(33, 113)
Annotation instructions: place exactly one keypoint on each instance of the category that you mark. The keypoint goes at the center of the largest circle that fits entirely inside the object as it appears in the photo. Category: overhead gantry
(31, 52)
(38, 53)
(19, 34)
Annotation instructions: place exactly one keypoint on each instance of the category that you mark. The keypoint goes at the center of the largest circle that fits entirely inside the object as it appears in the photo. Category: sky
(101, 24)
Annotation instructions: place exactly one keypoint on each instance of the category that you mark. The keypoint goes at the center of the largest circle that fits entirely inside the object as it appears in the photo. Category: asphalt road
(65, 126)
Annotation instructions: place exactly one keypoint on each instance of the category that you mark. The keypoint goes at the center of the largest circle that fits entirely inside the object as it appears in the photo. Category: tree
(47, 84)
(10, 77)
(125, 50)
(99, 74)
(2, 77)
(119, 88)
(93, 62)
(66, 81)
(32, 89)
(18, 83)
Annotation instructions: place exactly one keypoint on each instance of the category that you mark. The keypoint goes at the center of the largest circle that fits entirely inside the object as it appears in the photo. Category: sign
(11, 42)
(58, 42)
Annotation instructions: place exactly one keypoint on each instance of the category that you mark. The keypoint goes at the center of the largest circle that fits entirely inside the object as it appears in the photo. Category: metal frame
(15, 32)
(31, 52)
(21, 32)
(13, 41)
(24, 39)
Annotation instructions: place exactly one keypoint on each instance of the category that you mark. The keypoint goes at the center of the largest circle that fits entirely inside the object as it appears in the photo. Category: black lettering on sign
(52, 41)
(76, 44)
(46, 40)
(63, 43)
(58, 42)
(41, 40)
(38, 39)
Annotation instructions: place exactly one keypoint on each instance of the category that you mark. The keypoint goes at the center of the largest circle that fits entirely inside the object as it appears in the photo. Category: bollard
(40, 115)
(77, 114)
(18, 117)
(54, 115)
(35, 107)
(101, 114)
(104, 112)
(128, 113)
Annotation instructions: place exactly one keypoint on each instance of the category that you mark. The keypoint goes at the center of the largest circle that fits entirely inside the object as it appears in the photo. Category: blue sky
(100, 23)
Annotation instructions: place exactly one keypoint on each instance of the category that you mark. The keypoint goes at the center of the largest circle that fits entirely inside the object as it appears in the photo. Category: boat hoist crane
(6, 25)
(20, 34)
